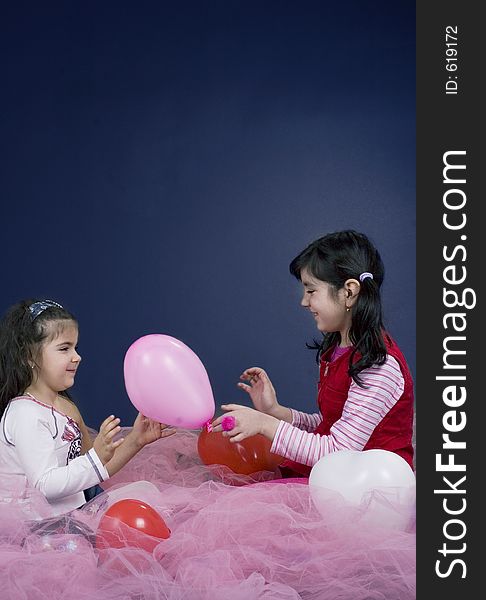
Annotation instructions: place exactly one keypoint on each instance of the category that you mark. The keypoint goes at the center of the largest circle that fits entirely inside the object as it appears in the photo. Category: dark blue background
(163, 163)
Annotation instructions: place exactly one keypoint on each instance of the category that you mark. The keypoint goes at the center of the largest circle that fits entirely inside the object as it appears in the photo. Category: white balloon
(380, 482)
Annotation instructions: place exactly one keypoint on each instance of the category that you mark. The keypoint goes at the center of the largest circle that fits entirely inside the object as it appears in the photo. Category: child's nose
(304, 301)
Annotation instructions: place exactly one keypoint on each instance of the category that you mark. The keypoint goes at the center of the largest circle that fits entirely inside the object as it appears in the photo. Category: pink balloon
(166, 381)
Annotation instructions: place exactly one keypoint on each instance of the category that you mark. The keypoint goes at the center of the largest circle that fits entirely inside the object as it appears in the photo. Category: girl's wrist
(282, 413)
(132, 440)
(269, 427)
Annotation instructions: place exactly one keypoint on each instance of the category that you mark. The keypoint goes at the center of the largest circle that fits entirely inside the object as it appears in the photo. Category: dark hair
(335, 258)
(21, 336)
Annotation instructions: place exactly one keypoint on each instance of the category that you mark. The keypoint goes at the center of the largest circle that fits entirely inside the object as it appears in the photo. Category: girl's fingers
(231, 406)
(115, 424)
(167, 429)
(118, 443)
(217, 421)
(111, 431)
(216, 424)
(167, 433)
(253, 370)
(251, 373)
(109, 435)
(245, 374)
(244, 387)
(253, 379)
(107, 421)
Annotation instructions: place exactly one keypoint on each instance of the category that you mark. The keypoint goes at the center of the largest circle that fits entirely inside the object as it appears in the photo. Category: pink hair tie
(228, 423)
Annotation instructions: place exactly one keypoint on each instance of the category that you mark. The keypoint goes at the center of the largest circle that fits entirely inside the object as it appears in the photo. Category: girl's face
(58, 361)
(328, 309)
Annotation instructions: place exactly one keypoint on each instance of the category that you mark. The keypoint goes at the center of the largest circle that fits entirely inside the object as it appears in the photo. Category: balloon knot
(208, 426)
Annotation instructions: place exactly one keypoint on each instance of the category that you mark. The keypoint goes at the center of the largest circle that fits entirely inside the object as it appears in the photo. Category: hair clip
(37, 308)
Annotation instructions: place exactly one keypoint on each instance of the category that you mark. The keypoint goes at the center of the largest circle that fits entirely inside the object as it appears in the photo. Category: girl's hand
(104, 445)
(146, 431)
(248, 422)
(260, 390)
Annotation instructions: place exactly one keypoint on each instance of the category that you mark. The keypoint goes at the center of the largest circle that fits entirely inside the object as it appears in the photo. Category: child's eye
(310, 291)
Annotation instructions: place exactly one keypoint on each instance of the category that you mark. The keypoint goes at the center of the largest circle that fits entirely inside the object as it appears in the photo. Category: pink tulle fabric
(232, 536)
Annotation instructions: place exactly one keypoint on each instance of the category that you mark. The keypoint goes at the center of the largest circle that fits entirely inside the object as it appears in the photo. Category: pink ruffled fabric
(232, 536)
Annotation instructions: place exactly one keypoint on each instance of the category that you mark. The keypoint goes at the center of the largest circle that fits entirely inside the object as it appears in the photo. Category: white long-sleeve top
(362, 412)
(44, 445)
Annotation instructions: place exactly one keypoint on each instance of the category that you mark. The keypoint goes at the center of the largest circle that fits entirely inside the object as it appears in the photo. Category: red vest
(393, 433)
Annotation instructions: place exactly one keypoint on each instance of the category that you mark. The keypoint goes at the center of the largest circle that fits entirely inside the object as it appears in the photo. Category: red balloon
(124, 524)
(246, 457)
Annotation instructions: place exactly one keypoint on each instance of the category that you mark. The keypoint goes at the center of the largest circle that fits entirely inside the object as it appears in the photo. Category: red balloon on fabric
(246, 457)
(125, 521)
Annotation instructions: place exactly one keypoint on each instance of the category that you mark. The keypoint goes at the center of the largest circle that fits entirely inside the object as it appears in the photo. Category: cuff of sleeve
(97, 465)
(295, 417)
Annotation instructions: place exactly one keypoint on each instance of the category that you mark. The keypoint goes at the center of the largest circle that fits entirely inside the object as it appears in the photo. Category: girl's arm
(257, 384)
(144, 431)
(305, 421)
(35, 447)
(363, 410)
(249, 421)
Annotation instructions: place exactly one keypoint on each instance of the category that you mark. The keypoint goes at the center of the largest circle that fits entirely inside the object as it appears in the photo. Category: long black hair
(335, 258)
(23, 329)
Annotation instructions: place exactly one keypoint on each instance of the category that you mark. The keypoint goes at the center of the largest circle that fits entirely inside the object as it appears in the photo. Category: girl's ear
(351, 289)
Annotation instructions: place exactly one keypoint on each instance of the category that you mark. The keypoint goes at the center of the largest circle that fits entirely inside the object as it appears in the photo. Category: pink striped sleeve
(363, 410)
(305, 421)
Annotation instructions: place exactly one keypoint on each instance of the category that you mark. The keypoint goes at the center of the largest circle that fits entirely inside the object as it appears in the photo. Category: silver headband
(37, 308)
